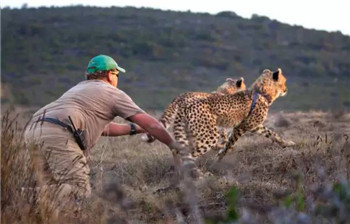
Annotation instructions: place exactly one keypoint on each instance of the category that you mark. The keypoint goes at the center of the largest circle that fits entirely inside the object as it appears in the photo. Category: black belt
(79, 135)
(56, 121)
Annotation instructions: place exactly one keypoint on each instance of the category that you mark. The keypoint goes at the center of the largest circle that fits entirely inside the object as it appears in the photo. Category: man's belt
(78, 134)
(56, 121)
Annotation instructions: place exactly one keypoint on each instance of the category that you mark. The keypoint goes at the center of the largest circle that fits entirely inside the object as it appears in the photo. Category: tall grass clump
(21, 180)
(16, 174)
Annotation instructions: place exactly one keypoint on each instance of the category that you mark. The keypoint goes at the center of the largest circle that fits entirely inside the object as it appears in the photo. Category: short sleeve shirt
(91, 104)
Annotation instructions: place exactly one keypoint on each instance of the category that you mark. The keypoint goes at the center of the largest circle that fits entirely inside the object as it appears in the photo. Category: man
(89, 107)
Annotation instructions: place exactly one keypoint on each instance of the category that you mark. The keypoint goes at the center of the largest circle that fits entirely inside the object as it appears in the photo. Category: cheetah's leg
(236, 134)
(166, 119)
(223, 139)
(248, 124)
(169, 114)
(180, 135)
(203, 136)
(262, 130)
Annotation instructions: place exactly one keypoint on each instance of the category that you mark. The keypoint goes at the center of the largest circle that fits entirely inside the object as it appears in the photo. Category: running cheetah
(197, 124)
(228, 87)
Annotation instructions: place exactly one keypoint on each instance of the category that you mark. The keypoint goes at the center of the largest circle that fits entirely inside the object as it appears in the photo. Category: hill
(45, 52)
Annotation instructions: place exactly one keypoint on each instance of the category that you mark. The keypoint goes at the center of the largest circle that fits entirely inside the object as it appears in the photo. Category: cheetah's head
(231, 86)
(271, 84)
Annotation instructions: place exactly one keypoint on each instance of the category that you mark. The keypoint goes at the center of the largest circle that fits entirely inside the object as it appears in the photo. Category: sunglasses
(115, 73)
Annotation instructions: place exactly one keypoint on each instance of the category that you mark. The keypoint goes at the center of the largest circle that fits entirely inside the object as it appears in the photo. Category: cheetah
(228, 87)
(197, 124)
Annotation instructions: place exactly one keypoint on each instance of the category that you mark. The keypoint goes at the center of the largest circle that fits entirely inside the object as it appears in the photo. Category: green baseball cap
(102, 63)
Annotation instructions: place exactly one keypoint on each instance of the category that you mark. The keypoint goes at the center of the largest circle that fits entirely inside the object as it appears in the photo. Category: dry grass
(126, 175)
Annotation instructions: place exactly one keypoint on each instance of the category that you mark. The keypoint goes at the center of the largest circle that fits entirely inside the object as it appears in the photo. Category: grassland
(134, 182)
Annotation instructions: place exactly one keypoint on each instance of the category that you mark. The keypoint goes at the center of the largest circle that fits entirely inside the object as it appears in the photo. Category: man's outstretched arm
(115, 129)
(153, 127)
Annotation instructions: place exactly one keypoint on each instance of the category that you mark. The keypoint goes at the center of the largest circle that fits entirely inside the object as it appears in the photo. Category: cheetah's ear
(230, 80)
(276, 74)
(239, 82)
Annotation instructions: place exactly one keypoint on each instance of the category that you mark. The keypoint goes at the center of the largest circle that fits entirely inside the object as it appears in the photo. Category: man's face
(114, 76)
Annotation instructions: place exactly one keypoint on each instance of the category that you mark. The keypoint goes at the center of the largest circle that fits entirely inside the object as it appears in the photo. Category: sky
(324, 15)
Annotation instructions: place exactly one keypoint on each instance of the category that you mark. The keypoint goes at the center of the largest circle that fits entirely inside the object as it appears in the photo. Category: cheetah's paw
(288, 143)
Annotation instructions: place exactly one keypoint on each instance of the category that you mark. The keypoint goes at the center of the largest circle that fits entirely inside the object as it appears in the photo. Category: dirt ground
(135, 182)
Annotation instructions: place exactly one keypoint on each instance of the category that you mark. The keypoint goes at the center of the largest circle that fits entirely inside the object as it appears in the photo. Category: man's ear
(109, 76)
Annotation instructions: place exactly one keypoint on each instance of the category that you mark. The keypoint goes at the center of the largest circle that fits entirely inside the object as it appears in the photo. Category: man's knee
(87, 193)
(68, 190)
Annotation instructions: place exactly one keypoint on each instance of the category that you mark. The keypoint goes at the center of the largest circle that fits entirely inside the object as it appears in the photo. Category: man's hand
(152, 126)
(148, 138)
(139, 129)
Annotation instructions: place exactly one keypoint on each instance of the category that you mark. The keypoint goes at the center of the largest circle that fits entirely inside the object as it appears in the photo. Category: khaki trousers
(62, 167)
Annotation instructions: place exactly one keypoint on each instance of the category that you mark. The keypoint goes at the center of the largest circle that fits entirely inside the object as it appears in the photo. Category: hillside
(45, 52)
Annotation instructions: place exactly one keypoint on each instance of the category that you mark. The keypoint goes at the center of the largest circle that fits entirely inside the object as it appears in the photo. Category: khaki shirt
(92, 104)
